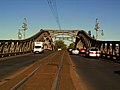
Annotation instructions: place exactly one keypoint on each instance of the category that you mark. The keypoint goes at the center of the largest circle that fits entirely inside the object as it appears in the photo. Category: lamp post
(97, 29)
(19, 35)
(24, 26)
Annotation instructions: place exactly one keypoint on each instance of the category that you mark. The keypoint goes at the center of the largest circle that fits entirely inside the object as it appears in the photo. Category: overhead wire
(53, 8)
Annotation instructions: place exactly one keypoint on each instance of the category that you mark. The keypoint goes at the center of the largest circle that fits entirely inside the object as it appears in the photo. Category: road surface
(97, 74)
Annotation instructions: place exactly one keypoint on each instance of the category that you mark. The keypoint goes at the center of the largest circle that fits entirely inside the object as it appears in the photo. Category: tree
(93, 37)
(60, 44)
(71, 45)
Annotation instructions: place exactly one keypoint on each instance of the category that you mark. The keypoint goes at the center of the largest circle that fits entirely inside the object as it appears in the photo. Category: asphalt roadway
(13, 64)
(97, 74)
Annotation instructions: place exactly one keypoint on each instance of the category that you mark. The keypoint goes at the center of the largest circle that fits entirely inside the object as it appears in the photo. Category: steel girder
(108, 48)
(9, 47)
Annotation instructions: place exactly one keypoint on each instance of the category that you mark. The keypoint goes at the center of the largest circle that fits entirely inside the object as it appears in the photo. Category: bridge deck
(45, 77)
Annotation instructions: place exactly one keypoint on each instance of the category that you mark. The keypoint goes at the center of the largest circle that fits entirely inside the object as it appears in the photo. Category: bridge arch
(85, 39)
(13, 47)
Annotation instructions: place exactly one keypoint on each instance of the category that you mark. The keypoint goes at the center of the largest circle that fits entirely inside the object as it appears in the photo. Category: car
(93, 52)
(82, 51)
(75, 51)
(59, 49)
(69, 49)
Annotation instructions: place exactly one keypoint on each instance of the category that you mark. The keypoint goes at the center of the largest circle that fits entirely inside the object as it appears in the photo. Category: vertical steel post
(97, 28)
(24, 26)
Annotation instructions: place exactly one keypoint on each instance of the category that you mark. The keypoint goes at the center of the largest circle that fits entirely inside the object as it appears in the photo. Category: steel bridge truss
(109, 49)
(14, 47)
(68, 35)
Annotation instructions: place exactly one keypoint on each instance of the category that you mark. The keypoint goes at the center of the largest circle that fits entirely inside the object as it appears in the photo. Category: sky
(73, 15)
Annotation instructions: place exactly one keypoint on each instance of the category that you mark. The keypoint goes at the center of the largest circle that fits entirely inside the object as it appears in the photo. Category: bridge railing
(15, 47)
(110, 49)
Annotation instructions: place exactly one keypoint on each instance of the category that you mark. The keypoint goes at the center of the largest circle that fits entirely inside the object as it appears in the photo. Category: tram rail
(52, 61)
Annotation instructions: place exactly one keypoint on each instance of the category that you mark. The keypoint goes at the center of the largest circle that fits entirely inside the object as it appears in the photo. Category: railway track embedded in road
(54, 62)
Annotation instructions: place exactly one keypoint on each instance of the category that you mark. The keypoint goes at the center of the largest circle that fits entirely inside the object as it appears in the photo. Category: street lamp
(24, 26)
(19, 35)
(97, 29)
(102, 33)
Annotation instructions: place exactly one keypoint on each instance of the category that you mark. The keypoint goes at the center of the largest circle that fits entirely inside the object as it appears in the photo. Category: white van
(38, 47)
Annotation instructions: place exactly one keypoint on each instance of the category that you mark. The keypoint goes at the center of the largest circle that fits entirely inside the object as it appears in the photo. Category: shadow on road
(117, 72)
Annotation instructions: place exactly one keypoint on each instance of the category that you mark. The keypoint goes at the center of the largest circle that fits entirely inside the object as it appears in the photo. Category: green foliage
(93, 37)
(60, 44)
(71, 45)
